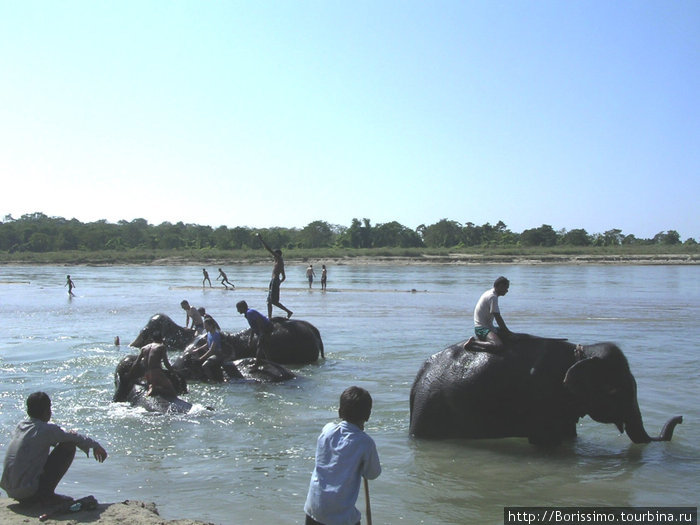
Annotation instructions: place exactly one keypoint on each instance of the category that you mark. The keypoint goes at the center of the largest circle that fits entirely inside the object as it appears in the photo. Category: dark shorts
(482, 332)
(273, 295)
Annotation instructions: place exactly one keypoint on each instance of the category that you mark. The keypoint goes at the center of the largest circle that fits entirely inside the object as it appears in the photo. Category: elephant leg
(212, 369)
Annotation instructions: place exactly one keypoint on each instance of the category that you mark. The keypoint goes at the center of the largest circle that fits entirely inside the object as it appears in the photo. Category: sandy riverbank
(293, 259)
(127, 512)
(455, 259)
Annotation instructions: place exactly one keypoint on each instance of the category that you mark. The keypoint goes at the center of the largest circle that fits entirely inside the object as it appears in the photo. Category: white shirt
(485, 309)
(28, 451)
(344, 454)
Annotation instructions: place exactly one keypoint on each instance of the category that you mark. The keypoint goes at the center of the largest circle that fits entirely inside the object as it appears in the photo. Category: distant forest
(39, 233)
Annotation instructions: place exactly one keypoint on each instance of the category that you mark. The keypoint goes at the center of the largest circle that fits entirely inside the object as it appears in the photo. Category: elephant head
(606, 390)
(174, 335)
(126, 376)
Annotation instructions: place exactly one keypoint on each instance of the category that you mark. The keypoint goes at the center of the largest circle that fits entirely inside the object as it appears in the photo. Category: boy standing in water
(205, 273)
(324, 277)
(70, 285)
(273, 296)
(344, 454)
(310, 274)
(32, 470)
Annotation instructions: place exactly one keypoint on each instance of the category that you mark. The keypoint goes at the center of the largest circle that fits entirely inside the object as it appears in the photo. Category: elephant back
(294, 341)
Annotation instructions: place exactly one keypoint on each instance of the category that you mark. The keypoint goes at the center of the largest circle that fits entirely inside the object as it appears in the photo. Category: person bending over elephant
(489, 337)
(213, 355)
(261, 326)
(151, 356)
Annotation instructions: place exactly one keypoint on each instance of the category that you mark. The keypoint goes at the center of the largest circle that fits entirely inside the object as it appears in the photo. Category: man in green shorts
(488, 336)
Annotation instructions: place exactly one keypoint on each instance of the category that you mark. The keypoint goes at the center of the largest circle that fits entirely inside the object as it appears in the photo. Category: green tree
(442, 234)
(395, 234)
(670, 237)
(576, 237)
(317, 234)
(542, 236)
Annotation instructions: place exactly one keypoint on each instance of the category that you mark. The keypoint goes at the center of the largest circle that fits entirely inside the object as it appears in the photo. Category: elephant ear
(589, 380)
(583, 378)
(593, 384)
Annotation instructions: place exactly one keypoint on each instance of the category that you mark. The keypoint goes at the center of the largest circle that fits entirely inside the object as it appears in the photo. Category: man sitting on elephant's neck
(489, 337)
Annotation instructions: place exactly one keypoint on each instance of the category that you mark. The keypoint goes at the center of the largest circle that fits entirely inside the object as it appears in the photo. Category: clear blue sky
(577, 114)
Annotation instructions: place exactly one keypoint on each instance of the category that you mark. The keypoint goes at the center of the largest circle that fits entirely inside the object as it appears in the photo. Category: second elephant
(535, 388)
(292, 342)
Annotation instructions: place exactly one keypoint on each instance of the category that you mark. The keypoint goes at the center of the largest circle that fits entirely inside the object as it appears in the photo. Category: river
(249, 461)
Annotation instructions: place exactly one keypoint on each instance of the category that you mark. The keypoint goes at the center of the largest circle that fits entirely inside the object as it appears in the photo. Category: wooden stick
(368, 508)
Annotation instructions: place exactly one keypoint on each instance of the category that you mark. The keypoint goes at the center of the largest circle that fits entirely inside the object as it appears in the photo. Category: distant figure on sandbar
(152, 355)
(261, 326)
(70, 284)
(206, 278)
(310, 275)
(324, 277)
(194, 315)
(278, 277)
(32, 471)
(489, 337)
(224, 279)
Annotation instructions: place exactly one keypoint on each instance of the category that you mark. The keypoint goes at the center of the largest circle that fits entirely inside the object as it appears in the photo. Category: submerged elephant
(293, 341)
(190, 368)
(536, 388)
(130, 386)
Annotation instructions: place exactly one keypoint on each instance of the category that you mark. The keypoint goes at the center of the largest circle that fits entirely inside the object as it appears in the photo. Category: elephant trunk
(635, 430)
(635, 427)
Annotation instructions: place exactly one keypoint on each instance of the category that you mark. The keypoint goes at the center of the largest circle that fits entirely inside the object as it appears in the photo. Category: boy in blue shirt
(344, 454)
(261, 326)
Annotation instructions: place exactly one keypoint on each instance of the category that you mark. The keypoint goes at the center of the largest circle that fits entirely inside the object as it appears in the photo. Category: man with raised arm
(278, 277)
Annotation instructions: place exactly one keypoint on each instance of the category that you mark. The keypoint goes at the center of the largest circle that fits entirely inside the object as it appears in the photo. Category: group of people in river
(344, 452)
(278, 277)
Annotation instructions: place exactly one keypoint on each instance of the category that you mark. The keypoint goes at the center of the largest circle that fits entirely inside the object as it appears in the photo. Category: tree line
(37, 232)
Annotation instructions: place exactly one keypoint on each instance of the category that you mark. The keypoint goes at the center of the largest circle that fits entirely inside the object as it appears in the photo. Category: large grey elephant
(535, 388)
(293, 341)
